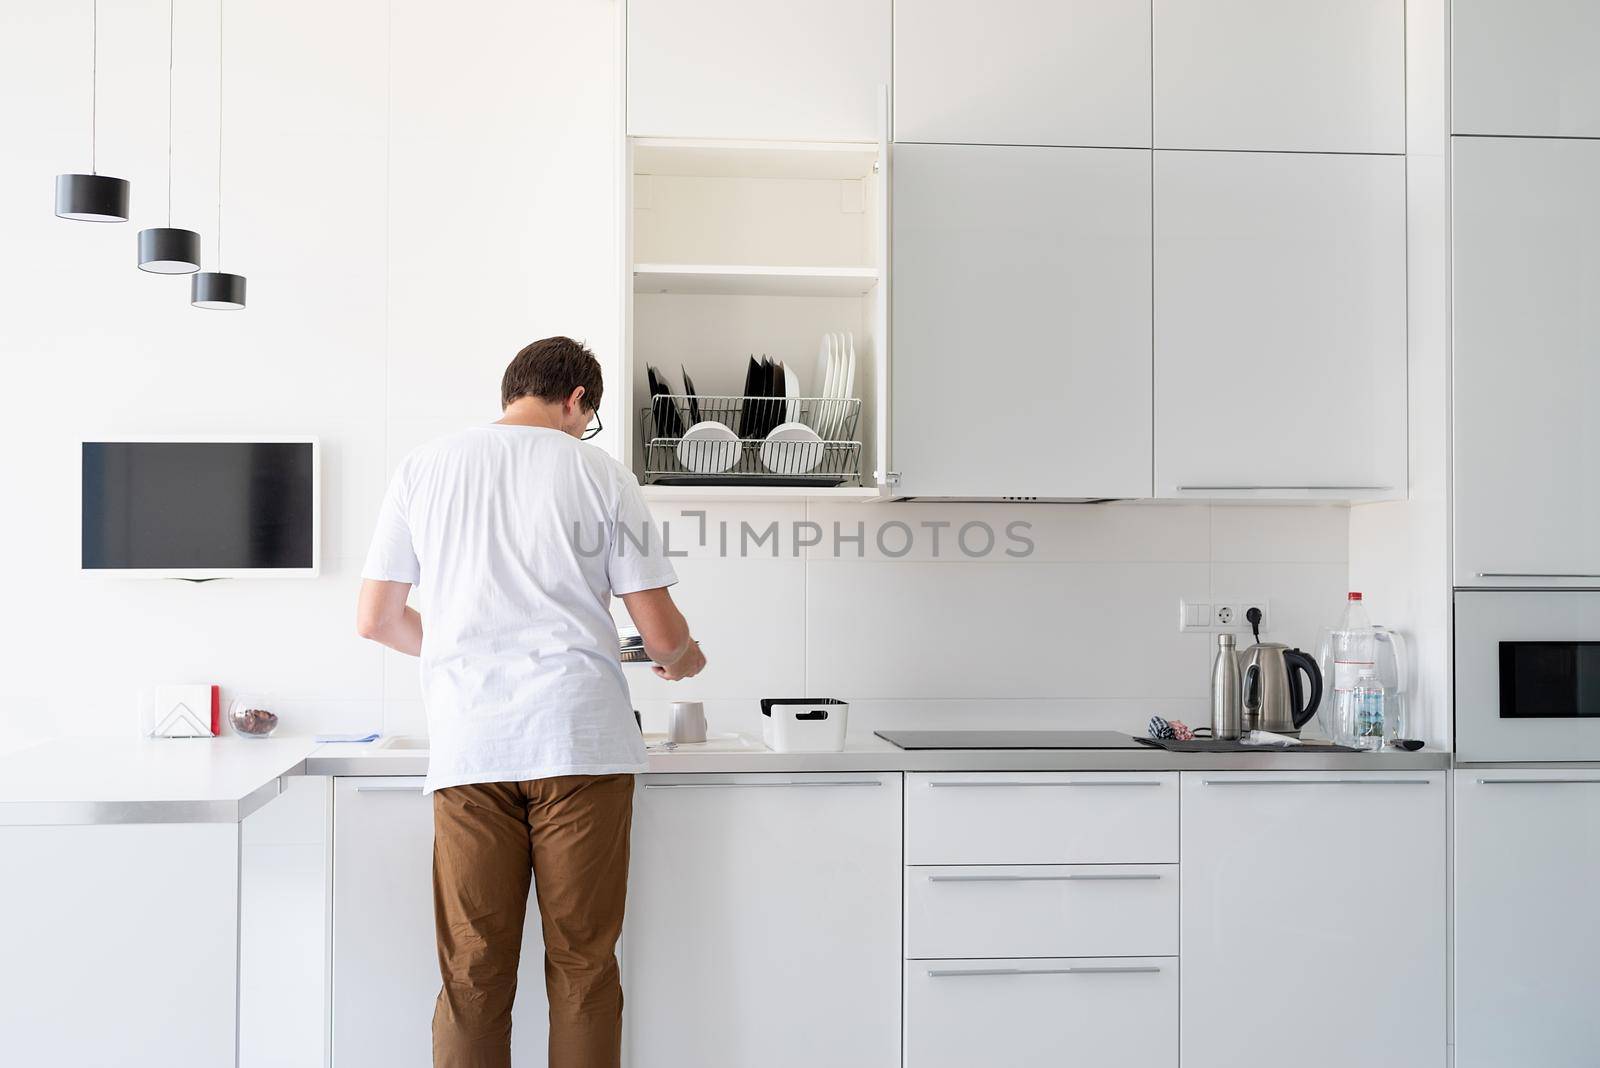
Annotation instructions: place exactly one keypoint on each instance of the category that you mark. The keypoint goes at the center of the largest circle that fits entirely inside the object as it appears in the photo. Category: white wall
(414, 191)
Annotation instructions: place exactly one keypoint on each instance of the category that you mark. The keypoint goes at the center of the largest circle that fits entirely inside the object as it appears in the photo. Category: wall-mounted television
(202, 509)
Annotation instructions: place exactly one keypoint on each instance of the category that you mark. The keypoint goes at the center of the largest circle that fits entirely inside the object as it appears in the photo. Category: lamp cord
(94, 82)
(171, 18)
(219, 134)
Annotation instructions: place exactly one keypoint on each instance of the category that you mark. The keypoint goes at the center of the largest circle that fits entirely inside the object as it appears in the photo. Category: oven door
(1527, 675)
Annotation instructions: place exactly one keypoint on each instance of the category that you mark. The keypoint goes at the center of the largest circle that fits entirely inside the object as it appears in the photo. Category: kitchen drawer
(1042, 818)
(1110, 1012)
(1042, 911)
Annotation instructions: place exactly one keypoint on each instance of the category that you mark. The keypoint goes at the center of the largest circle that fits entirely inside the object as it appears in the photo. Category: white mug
(687, 722)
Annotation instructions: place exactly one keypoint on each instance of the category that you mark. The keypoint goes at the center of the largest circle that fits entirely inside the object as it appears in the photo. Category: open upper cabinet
(744, 250)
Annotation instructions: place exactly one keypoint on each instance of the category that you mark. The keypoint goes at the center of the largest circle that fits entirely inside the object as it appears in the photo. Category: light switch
(1194, 615)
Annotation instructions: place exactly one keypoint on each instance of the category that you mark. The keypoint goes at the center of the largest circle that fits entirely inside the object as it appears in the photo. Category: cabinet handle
(1539, 574)
(1533, 782)
(389, 788)
(735, 785)
(1314, 782)
(1104, 877)
(1058, 782)
(1117, 969)
(1362, 489)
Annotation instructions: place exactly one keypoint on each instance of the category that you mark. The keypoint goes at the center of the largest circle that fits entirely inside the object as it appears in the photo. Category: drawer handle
(1538, 574)
(1325, 488)
(785, 782)
(1060, 782)
(1117, 969)
(1314, 782)
(388, 788)
(1083, 877)
(1534, 782)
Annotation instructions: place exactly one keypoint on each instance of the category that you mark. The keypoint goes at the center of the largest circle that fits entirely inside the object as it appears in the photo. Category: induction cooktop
(1010, 739)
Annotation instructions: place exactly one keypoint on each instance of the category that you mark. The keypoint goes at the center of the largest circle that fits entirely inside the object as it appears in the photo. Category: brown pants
(570, 834)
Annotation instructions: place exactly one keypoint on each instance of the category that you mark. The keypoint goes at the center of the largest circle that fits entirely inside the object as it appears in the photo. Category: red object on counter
(216, 711)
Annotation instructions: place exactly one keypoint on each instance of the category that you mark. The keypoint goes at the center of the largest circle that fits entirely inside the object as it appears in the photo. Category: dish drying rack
(750, 458)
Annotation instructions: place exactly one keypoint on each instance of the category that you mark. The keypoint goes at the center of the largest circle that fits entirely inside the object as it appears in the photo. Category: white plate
(791, 388)
(848, 391)
(791, 449)
(708, 448)
(819, 381)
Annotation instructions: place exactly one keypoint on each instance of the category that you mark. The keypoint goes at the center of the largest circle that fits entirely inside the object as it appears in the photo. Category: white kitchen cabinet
(1021, 321)
(1042, 910)
(757, 69)
(1525, 67)
(385, 967)
(1280, 326)
(1041, 818)
(1313, 919)
(764, 922)
(1527, 936)
(1110, 1012)
(1017, 72)
(1526, 251)
(119, 943)
(1280, 75)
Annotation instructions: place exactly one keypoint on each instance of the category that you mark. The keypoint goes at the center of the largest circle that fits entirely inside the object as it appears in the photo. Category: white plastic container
(804, 724)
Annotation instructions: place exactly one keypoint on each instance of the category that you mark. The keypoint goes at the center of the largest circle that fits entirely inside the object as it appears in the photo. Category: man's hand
(666, 634)
(687, 666)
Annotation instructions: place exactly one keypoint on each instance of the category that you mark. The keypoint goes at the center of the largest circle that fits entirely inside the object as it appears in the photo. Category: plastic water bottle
(1368, 701)
(1352, 649)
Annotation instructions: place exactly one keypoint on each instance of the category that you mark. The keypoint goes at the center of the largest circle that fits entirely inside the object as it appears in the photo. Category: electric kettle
(1270, 683)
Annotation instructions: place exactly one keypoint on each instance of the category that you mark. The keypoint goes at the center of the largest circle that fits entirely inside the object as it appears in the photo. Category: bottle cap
(1355, 595)
(1225, 639)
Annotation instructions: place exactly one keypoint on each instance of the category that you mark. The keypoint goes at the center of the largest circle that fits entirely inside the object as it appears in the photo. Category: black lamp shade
(92, 198)
(164, 250)
(217, 291)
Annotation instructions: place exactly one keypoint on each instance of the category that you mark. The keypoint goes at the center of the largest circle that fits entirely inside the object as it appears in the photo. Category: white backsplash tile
(996, 630)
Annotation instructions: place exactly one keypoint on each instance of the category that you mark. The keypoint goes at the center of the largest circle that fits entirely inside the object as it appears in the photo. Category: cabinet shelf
(763, 494)
(747, 280)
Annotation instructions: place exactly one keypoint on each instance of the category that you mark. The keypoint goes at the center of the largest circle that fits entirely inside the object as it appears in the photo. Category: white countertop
(871, 753)
(69, 781)
(145, 780)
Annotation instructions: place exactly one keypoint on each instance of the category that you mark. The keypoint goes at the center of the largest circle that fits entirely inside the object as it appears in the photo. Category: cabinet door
(757, 69)
(1525, 67)
(1280, 75)
(1527, 945)
(1526, 271)
(385, 968)
(763, 922)
(1280, 336)
(1021, 321)
(1313, 900)
(1073, 72)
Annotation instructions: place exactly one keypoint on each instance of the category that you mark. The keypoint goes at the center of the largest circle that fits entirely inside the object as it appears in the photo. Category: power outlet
(1242, 619)
(1225, 614)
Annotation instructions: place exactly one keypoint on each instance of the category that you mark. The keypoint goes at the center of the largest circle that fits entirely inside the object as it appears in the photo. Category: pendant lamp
(217, 290)
(93, 197)
(166, 249)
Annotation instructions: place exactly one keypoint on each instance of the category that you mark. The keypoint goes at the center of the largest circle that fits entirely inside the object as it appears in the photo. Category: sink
(714, 743)
(405, 741)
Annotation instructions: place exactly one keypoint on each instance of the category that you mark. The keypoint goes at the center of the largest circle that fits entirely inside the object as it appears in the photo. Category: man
(513, 532)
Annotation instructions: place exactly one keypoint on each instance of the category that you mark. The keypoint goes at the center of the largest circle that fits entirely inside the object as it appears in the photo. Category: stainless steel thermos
(1225, 694)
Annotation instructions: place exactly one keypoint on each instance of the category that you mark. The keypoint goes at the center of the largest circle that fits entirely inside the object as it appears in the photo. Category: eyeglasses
(592, 431)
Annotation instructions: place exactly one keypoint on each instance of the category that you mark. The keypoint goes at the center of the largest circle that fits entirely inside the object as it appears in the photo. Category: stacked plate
(834, 384)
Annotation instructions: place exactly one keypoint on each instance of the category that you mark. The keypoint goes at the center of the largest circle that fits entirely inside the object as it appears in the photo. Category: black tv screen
(199, 506)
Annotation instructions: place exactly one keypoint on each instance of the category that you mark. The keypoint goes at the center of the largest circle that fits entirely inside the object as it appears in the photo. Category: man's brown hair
(550, 370)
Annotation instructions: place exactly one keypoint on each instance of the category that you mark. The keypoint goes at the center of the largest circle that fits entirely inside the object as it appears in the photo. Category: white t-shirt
(517, 536)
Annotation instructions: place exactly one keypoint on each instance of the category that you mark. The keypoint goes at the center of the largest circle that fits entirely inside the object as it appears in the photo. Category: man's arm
(665, 633)
(383, 616)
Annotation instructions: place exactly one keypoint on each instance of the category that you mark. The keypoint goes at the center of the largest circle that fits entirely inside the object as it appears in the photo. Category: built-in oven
(1527, 666)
